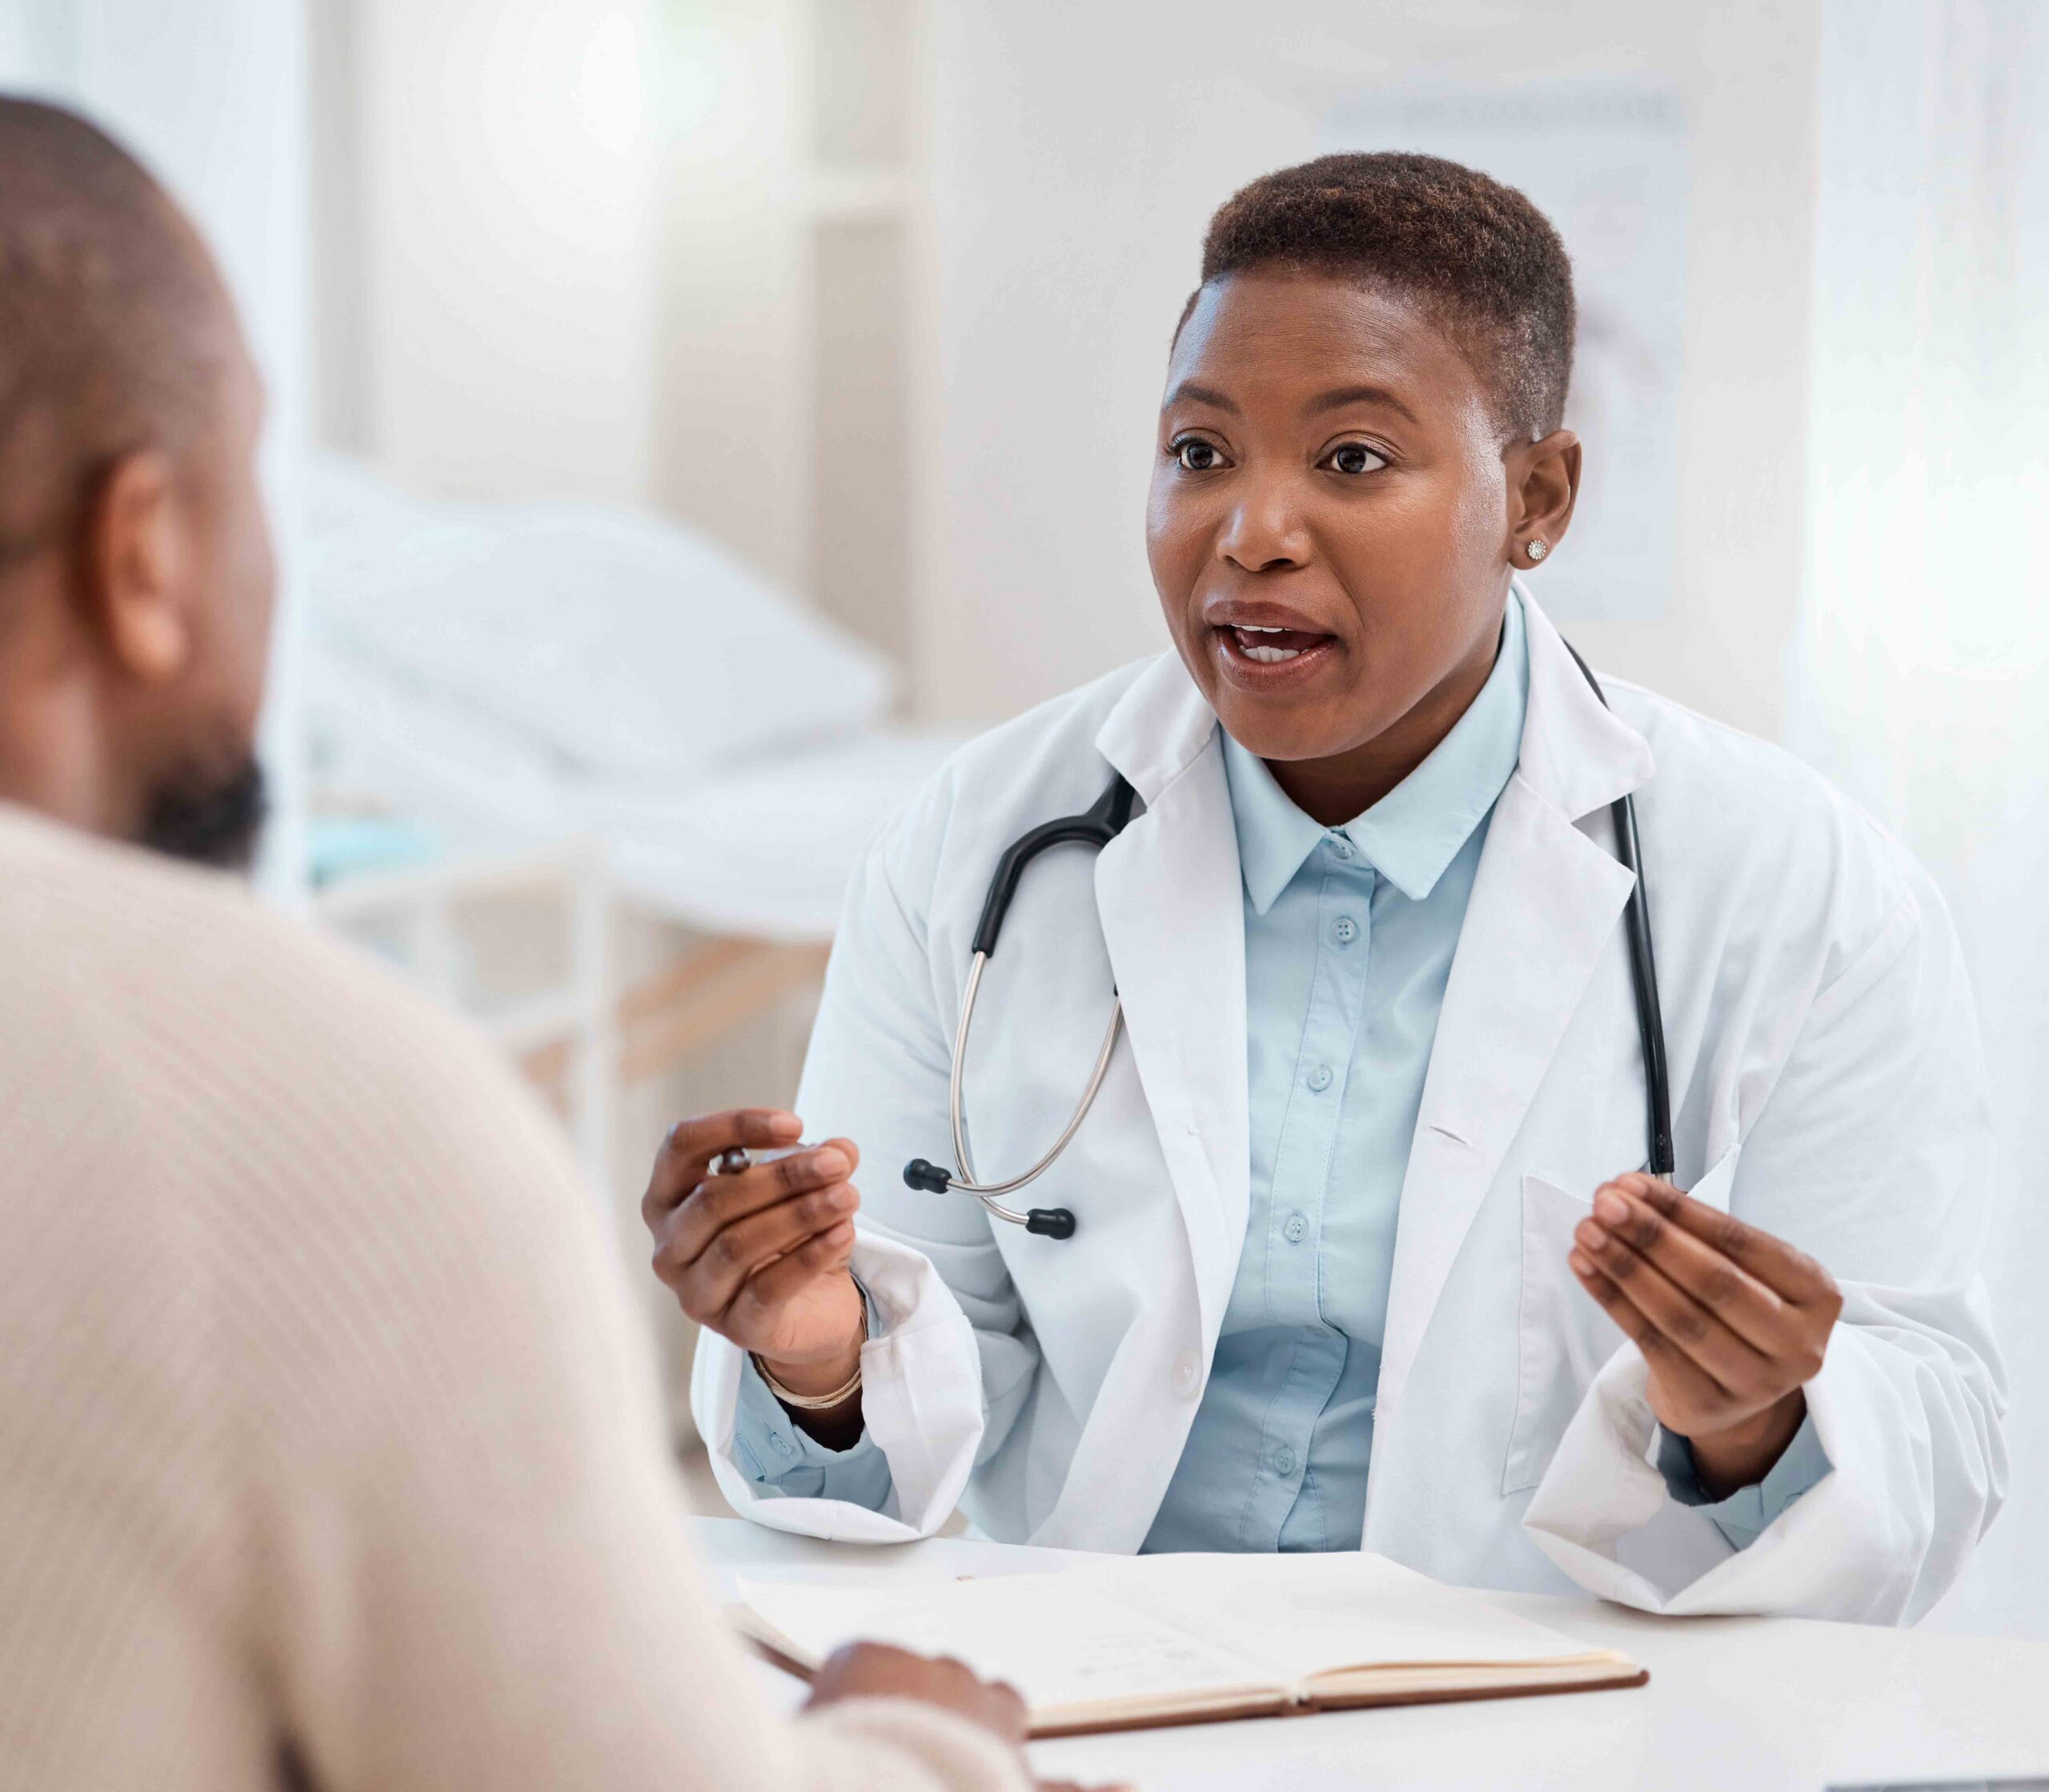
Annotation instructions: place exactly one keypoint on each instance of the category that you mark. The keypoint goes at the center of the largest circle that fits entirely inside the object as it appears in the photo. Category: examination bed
(596, 706)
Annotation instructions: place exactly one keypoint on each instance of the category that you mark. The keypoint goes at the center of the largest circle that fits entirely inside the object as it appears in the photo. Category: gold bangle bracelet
(816, 1402)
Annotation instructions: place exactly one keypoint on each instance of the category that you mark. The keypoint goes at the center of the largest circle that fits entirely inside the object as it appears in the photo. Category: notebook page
(1056, 1643)
(1303, 1615)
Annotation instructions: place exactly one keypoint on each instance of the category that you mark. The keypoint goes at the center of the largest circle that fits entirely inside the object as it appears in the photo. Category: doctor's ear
(1543, 485)
(139, 561)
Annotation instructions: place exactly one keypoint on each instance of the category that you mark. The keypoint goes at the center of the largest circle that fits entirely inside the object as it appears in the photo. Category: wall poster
(1605, 161)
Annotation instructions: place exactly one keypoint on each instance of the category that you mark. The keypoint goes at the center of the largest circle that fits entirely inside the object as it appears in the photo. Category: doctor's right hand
(760, 1255)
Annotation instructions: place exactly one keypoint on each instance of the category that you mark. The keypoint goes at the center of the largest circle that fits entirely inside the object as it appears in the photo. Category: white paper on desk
(1303, 1615)
(1056, 1641)
(1146, 1626)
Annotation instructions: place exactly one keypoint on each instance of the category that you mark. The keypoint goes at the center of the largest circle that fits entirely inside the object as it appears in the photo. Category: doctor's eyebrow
(1188, 391)
(1343, 395)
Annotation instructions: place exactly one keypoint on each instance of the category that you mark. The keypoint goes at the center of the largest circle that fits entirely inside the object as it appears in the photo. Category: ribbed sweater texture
(330, 1451)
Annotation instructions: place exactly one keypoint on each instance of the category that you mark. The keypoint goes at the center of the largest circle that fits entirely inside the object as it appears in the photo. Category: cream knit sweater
(328, 1453)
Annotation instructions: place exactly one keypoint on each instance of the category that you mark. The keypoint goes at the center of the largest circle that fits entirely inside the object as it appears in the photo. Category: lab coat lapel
(1167, 892)
(1547, 901)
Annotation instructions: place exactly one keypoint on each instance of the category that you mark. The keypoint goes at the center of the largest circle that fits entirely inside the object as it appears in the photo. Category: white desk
(1736, 1705)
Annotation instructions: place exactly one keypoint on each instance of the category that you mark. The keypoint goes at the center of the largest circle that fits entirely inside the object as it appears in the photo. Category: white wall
(35, 43)
(1078, 148)
(732, 456)
(508, 249)
(1922, 668)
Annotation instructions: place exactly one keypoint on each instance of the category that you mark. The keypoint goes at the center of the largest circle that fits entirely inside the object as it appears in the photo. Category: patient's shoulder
(208, 1025)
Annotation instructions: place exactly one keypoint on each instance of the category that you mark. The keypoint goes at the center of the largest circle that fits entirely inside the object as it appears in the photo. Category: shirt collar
(1412, 833)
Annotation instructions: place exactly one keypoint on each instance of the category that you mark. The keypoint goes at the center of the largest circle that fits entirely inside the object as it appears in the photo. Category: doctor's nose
(1264, 532)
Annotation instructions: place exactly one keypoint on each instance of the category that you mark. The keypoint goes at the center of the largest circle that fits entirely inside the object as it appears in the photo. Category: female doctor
(1361, 1253)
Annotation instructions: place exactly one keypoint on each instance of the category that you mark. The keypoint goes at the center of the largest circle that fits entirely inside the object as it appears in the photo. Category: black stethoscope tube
(1095, 826)
(1643, 965)
(1100, 824)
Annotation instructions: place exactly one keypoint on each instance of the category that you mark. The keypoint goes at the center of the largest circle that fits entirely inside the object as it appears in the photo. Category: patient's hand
(876, 1670)
(761, 1256)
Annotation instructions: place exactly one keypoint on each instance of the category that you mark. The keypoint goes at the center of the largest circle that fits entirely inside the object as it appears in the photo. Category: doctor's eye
(1354, 458)
(1197, 456)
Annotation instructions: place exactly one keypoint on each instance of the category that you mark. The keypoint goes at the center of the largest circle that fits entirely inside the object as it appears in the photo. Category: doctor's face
(1329, 524)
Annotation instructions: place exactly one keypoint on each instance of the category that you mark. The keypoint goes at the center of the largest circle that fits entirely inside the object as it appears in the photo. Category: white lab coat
(1827, 1085)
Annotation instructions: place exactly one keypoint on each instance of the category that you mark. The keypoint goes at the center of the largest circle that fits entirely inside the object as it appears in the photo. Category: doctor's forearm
(1742, 1455)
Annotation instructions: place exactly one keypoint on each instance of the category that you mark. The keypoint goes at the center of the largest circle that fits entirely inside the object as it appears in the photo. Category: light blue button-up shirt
(1349, 934)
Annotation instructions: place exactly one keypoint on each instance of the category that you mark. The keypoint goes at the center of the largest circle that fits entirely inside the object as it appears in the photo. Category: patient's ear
(139, 554)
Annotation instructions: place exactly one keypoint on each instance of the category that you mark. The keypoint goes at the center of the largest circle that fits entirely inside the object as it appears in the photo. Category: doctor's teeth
(1257, 642)
(1252, 644)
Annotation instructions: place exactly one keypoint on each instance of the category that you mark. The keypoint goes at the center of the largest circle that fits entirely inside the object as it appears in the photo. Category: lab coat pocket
(1563, 1338)
(1714, 1189)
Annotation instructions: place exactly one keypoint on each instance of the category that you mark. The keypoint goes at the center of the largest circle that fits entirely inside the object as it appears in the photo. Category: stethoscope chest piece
(1048, 1222)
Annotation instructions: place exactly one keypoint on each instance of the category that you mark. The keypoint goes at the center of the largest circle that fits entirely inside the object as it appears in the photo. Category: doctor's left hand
(1733, 1322)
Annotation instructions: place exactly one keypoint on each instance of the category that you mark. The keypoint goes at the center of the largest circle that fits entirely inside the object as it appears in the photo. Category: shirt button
(1319, 1078)
(782, 1446)
(1341, 846)
(1344, 930)
(1187, 1372)
(1284, 1461)
(1297, 1229)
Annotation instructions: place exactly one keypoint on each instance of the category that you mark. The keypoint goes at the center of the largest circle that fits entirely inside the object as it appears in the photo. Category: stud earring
(1536, 550)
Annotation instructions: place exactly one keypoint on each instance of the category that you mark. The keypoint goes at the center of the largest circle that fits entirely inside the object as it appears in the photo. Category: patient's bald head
(115, 333)
(135, 569)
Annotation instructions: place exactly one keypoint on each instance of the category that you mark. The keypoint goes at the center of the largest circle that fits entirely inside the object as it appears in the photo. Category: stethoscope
(1098, 827)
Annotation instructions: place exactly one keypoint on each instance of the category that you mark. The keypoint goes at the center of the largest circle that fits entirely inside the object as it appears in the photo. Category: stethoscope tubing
(990, 1193)
(1643, 967)
(1101, 824)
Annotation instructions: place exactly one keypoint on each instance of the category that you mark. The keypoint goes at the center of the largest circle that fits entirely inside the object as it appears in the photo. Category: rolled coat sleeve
(949, 1361)
(1872, 1151)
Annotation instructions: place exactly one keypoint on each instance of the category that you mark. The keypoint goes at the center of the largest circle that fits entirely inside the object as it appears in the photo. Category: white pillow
(627, 642)
(370, 734)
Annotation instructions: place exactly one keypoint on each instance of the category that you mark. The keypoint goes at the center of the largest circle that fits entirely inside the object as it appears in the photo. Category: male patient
(327, 1455)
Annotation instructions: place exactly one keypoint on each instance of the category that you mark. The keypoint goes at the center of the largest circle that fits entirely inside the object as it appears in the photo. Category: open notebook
(1128, 1643)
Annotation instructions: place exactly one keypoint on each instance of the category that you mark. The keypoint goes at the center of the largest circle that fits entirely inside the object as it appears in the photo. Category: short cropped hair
(1476, 253)
(114, 326)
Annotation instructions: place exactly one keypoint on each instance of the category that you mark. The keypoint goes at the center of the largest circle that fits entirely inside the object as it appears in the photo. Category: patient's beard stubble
(213, 821)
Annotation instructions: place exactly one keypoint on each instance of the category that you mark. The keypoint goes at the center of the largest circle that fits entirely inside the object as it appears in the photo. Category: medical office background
(691, 417)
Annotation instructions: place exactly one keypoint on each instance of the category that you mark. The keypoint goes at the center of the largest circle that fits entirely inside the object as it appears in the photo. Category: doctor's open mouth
(1261, 658)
